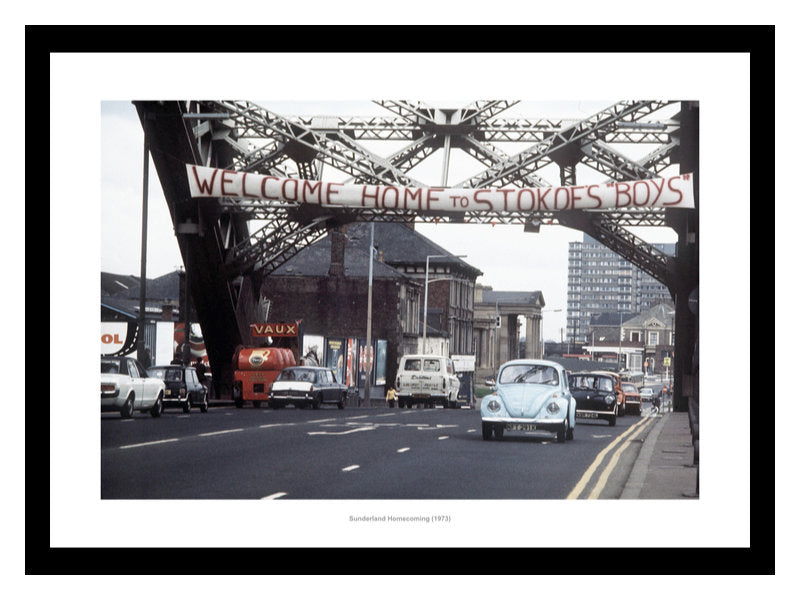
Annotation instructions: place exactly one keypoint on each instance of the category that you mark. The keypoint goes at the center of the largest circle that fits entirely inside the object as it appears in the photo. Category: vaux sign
(273, 329)
(669, 192)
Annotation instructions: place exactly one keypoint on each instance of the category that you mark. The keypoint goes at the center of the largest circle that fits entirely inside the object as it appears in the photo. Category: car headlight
(553, 408)
(610, 399)
(493, 405)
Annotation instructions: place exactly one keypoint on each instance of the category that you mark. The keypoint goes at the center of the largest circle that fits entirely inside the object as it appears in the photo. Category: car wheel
(158, 407)
(126, 412)
(499, 429)
(204, 404)
(613, 420)
(561, 434)
(315, 403)
(487, 431)
(187, 406)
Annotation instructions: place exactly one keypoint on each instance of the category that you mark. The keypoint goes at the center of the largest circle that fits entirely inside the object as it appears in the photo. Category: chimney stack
(338, 244)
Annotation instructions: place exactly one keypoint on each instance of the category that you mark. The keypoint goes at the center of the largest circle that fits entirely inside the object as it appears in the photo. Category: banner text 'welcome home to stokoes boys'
(669, 192)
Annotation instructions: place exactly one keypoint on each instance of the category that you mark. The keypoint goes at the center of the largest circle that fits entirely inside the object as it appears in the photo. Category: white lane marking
(350, 468)
(274, 496)
(275, 425)
(471, 430)
(220, 432)
(322, 421)
(148, 443)
(443, 437)
(359, 417)
(369, 428)
(401, 450)
(385, 415)
(443, 426)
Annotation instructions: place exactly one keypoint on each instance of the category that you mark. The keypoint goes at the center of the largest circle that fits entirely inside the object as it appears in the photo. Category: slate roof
(112, 284)
(402, 245)
(315, 261)
(399, 245)
(119, 294)
(519, 298)
(664, 313)
(610, 319)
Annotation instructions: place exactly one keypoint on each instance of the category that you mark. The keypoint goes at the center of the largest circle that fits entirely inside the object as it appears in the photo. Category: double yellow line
(625, 438)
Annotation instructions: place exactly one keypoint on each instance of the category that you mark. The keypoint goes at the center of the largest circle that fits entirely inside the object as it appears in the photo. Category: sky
(510, 259)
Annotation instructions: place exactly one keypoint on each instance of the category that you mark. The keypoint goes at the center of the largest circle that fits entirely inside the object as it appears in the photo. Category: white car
(427, 379)
(646, 393)
(126, 387)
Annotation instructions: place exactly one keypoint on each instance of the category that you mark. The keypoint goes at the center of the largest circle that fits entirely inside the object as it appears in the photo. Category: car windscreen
(629, 388)
(582, 382)
(604, 384)
(296, 375)
(110, 366)
(172, 375)
(541, 374)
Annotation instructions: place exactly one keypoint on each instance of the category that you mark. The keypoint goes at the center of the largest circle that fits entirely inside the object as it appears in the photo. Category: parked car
(529, 395)
(182, 387)
(427, 379)
(307, 386)
(594, 395)
(633, 400)
(126, 387)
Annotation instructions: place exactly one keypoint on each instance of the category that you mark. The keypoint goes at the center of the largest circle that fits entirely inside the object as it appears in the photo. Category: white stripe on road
(350, 468)
(401, 450)
(443, 437)
(370, 428)
(220, 432)
(275, 425)
(321, 421)
(274, 496)
(148, 443)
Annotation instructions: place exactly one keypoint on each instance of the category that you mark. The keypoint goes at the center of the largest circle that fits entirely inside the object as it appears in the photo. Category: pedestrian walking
(391, 396)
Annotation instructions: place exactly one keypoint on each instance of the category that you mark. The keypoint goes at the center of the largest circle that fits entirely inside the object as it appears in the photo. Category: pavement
(665, 468)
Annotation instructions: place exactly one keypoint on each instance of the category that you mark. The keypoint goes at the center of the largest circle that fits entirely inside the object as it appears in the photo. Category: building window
(652, 338)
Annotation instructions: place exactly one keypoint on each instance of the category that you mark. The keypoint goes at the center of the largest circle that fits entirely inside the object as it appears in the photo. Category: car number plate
(587, 415)
(520, 427)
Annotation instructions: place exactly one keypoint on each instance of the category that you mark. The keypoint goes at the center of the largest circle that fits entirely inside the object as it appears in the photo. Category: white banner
(670, 192)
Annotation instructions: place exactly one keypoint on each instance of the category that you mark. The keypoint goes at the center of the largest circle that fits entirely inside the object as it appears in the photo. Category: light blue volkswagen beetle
(529, 395)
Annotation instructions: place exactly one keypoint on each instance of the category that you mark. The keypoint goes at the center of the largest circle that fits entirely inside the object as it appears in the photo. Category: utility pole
(368, 353)
(143, 260)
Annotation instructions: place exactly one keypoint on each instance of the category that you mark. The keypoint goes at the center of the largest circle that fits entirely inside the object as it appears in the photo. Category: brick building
(326, 285)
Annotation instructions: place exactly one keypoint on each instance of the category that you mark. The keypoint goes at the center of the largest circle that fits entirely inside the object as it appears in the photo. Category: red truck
(255, 368)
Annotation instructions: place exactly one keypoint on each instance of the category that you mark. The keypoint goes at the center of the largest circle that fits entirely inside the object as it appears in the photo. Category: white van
(426, 379)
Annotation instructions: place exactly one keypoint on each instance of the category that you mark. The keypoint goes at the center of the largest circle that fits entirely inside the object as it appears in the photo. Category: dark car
(307, 386)
(595, 396)
(183, 387)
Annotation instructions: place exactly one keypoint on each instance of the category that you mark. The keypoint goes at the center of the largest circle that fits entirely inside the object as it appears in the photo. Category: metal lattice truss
(248, 137)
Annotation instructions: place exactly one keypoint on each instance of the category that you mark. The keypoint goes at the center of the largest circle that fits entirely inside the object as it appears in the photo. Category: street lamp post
(425, 309)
